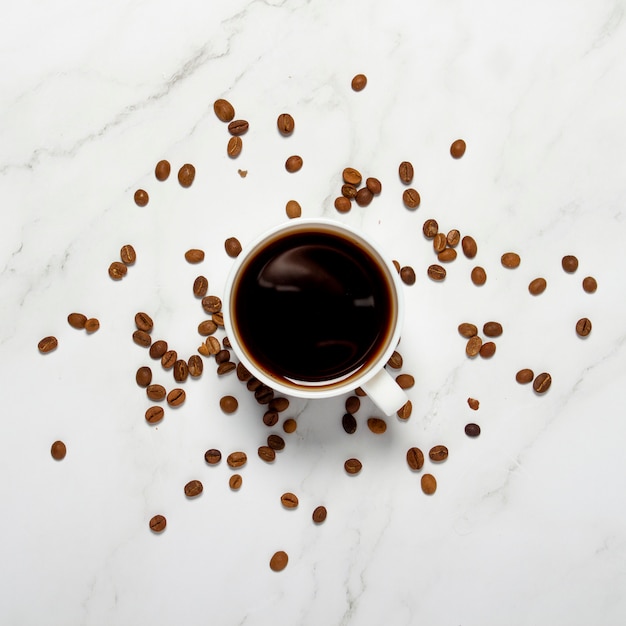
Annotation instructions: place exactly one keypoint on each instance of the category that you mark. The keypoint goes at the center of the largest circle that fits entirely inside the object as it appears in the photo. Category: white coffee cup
(369, 373)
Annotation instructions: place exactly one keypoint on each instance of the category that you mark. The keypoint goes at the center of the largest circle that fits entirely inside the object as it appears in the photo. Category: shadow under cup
(312, 308)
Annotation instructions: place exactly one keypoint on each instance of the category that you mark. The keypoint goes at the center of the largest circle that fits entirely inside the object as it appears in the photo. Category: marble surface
(528, 524)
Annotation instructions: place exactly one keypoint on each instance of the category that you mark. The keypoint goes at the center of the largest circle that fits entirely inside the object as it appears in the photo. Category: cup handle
(385, 392)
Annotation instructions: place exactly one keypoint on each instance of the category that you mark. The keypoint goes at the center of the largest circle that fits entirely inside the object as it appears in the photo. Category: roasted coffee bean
(467, 330)
(143, 322)
(224, 110)
(162, 170)
(415, 458)
(404, 412)
(128, 254)
(142, 338)
(351, 176)
(58, 450)
(405, 381)
(213, 345)
(158, 524)
(411, 198)
(353, 404)
(348, 191)
(141, 197)
(232, 247)
(457, 149)
(229, 404)
(194, 256)
(447, 255)
(293, 209)
(218, 318)
(374, 185)
(207, 327)
(226, 367)
(279, 561)
(583, 327)
(181, 371)
(364, 196)
(396, 265)
(222, 356)
(438, 453)
(377, 425)
(226, 340)
(473, 346)
(469, 246)
(155, 392)
(472, 430)
(270, 418)
(290, 425)
(407, 275)
(473, 404)
(143, 377)
(235, 482)
(266, 454)
(212, 304)
(193, 488)
(195, 366)
(429, 484)
(342, 204)
(289, 500)
(353, 466)
(453, 237)
(349, 423)
(569, 263)
(276, 442)
(242, 373)
(589, 284)
(48, 344)
(436, 272)
(253, 384)
(154, 414)
(358, 82)
(186, 175)
(510, 260)
(478, 276)
(169, 359)
(524, 376)
(395, 360)
(237, 459)
(238, 127)
(117, 270)
(234, 147)
(542, 382)
(176, 397)
(487, 350)
(264, 394)
(285, 124)
(359, 391)
(406, 172)
(492, 329)
(430, 228)
(278, 404)
(293, 163)
(92, 325)
(537, 286)
(319, 514)
(213, 456)
(77, 320)
(200, 286)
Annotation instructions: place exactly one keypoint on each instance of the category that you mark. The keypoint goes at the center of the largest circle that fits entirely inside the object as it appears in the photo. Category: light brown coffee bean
(218, 318)
(358, 82)
(407, 275)
(232, 247)
(411, 198)
(439, 242)
(453, 238)
(154, 414)
(542, 382)
(92, 325)
(363, 197)
(143, 377)
(142, 338)
(193, 488)
(234, 147)
(285, 124)
(472, 430)
(469, 246)
(319, 514)
(128, 254)
(224, 110)
(293, 163)
(186, 175)
(524, 376)
(473, 346)
(487, 350)
(169, 359)
(158, 524)
(352, 176)
(473, 404)
(415, 458)
(430, 228)
(276, 442)
(478, 276)
(117, 270)
(377, 425)
(583, 327)
(266, 454)
(569, 263)
(77, 320)
(349, 423)
(429, 484)
(279, 404)
(342, 204)
(162, 170)
(447, 255)
(404, 412)
(289, 500)
(589, 284)
(467, 330)
(406, 172)
(395, 360)
(537, 286)
(226, 368)
(207, 327)
(510, 260)
(181, 371)
(492, 329)
(279, 561)
(195, 366)
(396, 265)
(212, 304)
(436, 272)
(229, 404)
(143, 322)
(237, 459)
(58, 450)
(353, 466)
(200, 286)
(457, 149)
(290, 425)
(194, 255)
(158, 349)
(438, 453)
(405, 381)
(293, 209)
(155, 392)
(353, 404)
(176, 397)
(235, 482)
(213, 456)
(374, 185)
(238, 127)
(141, 197)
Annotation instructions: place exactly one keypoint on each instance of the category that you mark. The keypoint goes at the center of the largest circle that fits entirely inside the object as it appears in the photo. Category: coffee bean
(213, 456)
(524, 376)
(415, 458)
(363, 197)
(143, 322)
(542, 382)
(225, 368)
(200, 286)
(270, 418)
(158, 349)
(232, 247)
(492, 329)
(358, 82)
(226, 340)
(77, 320)
(162, 170)
(429, 484)
(467, 330)
(430, 228)
(469, 246)
(48, 344)
(438, 453)
(351, 176)
(353, 404)
(141, 197)
(439, 242)
(396, 265)
(186, 175)
(235, 482)
(242, 373)
(583, 327)
(487, 350)
(472, 430)
(404, 412)
(155, 392)
(457, 149)
(293, 163)
(342, 204)
(279, 404)
(143, 377)
(234, 147)
(154, 414)
(193, 488)
(289, 500)
(229, 404)
(264, 394)
(407, 275)
(176, 397)
(142, 338)
(349, 423)
(207, 327)
(473, 346)
(293, 209)
(58, 450)
(377, 425)
(224, 110)
(473, 404)
(589, 284)
(395, 360)
(222, 356)
(453, 238)
(276, 442)
(237, 459)
(266, 454)
(238, 127)
(510, 260)
(279, 561)
(478, 276)
(353, 466)
(447, 255)
(290, 425)
(374, 185)
(319, 514)
(211, 304)
(117, 270)
(128, 254)
(92, 325)
(158, 524)
(569, 263)
(436, 272)
(285, 124)
(194, 255)
(537, 286)
(411, 198)
(405, 381)
(169, 359)
(253, 384)
(405, 171)
(181, 371)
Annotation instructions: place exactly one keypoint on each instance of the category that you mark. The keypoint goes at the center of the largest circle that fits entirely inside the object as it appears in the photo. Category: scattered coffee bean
(176, 397)
(396, 265)
(264, 394)
(438, 453)
(430, 228)
(469, 246)
(77, 320)
(285, 124)
(589, 284)
(213, 456)
(405, 381)
(218, 318)
(234, 147)
(253, 384)
(319, 514)
(279, 561)
(473, 346)
(193, 488)
(279, 404)
(158, 349)
(117, 270)
(569, 263)
(290, 425)
(92, 325)
(374, 185)
(289, 500)
(186, 175)
(229, 404)
(194, 255)
(353, 404)
(395, 360)
(200, 286)
(141, 197)
(342, 204)
(237, 459)
(492, 329)
(542, 382)
(158, 524)
(154, 414)
(439, 242)
(353, 466)
(270, 418)
(467, 330)
(351, 176)
(429, 484)
(242, 373)
(524, 376)
(363, 197)
(48, 344)
(358, 82)
(436, 272)
(415, 458)
(472, 430)
(143, 322)
(377, 425)
(232, 247)
(583, 327)
(537, 286)
(293, 163)
(162, 170)
(457, 149)
(238, 127)
(276, 442)
(242, 173)
(128, 254)
(453, 238)
(143, 377)
(293, 209)
(266, 454)
(235, 482)
(207, 327)
(406, 172)
(349, 423)
(359, 391)
(169, 359)
(404, 412)
(510, 260)
(224, 110)
(473, 404)
(225, 368)
(478, 276)
(156, 392)
(447, 255)
(181, 371)
(411, 198)
(212, 304)
(407, 275)
(58, 450)
(142, 338)
(487, 350)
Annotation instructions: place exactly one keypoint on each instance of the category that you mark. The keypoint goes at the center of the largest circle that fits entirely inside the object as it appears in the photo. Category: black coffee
(312, 306)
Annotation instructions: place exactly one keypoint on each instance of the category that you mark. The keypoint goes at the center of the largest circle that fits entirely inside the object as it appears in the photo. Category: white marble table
(528, 524)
